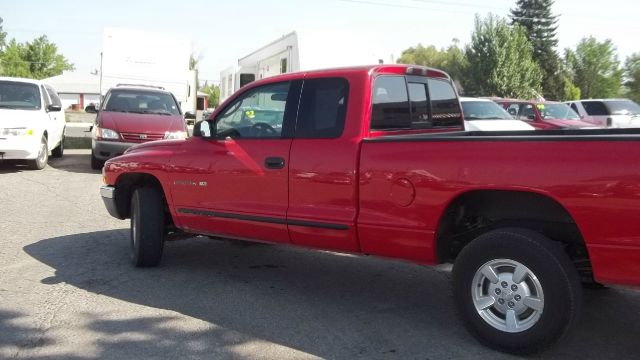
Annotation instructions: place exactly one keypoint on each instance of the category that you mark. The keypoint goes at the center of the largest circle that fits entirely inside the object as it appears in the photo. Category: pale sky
(223, 31)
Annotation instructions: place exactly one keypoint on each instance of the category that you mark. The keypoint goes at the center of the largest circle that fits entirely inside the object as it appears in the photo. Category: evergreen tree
(540, 26)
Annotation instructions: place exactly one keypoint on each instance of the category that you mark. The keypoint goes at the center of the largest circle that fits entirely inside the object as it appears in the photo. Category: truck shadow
(320, 303)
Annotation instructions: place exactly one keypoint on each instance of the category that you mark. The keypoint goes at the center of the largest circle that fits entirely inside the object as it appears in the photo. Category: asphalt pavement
(67, 291)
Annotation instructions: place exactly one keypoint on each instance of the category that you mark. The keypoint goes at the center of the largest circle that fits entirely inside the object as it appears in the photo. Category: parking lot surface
(67, 291)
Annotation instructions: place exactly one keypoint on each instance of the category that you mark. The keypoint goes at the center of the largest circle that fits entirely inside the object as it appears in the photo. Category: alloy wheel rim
(507, 295)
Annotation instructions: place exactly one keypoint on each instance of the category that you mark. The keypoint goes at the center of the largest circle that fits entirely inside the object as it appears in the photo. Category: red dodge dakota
(373, 160)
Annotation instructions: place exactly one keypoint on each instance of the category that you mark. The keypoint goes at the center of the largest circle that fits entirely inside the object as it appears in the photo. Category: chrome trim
(107, 191)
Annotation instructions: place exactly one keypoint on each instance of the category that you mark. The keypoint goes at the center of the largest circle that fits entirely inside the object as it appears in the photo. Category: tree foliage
(632, 74)
(451, 59)
(500, 61)
(594, 68)
(36, 59)
(213, 93)
(540, 25)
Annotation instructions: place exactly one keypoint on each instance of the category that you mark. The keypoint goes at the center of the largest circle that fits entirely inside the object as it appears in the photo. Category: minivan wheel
(40, 162)
(516, 290)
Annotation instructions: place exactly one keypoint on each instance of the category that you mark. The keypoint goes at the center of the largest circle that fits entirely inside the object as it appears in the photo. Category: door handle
(274, 162)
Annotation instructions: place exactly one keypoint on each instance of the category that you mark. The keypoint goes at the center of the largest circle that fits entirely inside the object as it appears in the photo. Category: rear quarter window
(323, 108)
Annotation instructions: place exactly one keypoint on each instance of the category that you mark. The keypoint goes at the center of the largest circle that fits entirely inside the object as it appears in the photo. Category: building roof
(75, 83)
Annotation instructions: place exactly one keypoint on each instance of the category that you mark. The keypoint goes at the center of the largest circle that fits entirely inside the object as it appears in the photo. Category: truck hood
(496, 125)
(10, 118)
(571, 124)
(165, 145)
(141, 123)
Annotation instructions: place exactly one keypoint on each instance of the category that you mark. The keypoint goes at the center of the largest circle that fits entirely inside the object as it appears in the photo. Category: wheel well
(478, 212)
(125, 186)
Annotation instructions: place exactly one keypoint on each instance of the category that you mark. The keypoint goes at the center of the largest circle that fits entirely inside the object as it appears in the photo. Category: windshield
(623, 107)
(141, 102)
(550, 111)
(19, 95)
(484, 110)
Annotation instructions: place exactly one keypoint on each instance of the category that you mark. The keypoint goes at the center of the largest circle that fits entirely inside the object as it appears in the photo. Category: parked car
(546, 115)
(372, 160)
(131, 115)
(486, 115)
(32, 121)
(608, 112)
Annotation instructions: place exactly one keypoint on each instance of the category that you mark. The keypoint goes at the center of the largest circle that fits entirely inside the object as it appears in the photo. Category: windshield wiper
(155, 112)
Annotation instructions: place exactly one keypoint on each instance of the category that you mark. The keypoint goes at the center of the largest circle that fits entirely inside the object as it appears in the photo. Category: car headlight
(106, 134)
(175, 135)
(16, 131)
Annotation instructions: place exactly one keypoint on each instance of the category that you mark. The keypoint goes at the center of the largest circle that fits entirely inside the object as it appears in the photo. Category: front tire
(40, 162)
(96, 164)
(59, 150)
(516, 290)
(147, 227)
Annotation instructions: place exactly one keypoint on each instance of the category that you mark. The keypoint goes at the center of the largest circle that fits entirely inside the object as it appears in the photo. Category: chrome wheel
(507, 295)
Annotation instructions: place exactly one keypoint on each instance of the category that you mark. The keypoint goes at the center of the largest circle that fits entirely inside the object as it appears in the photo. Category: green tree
(37, 59)
(595, 68)
(500, 61)
(632, 74)
(540, 26)
(451, 59)
(3, 37)
(213, 93)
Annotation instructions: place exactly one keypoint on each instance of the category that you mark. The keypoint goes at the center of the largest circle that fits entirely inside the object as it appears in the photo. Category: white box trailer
(302, 50)
(147, 58)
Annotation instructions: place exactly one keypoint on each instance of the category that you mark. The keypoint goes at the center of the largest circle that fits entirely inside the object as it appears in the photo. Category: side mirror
(190, 115)
(204, 129)
(531, 117)
(91, 109)
(54, 107)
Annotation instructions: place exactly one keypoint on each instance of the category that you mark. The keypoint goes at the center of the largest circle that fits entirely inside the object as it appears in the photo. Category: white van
(616, 113)
(32, 121)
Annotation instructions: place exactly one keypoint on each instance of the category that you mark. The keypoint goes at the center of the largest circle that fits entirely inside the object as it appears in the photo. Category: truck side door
(236, 183)
(323, 163)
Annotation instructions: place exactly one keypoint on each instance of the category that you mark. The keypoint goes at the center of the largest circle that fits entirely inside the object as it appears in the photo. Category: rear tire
(40, 162)
(147, 227)
(59, 150)
(516, 290)
(96, 164)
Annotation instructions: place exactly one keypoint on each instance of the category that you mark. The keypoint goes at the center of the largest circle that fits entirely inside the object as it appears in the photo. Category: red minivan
(545, 115)
(133, 114)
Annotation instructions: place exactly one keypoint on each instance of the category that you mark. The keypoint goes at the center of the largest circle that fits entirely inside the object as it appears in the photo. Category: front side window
(513, 110)
(445, 107)
(19, 95)
(141, 102)
(390, 104)
(258, 113)
(527, 112)
(55, 99)
(323, 108)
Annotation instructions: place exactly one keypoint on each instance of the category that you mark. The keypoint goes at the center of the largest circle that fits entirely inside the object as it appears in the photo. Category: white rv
(144, 58)
(301, 50)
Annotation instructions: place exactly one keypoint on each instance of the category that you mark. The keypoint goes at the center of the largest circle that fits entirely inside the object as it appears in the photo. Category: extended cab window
(390, 104)
(323, 108)
(445, 107)
(258, 113)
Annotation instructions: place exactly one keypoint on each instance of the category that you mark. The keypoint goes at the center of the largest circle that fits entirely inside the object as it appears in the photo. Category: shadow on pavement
(75, 161)
(321, 303)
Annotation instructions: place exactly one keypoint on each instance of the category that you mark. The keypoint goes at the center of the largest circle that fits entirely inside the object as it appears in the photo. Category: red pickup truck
(372, 160)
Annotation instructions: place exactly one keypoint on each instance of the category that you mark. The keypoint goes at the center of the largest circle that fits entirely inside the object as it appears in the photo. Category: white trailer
(301, 51)
(145, 58)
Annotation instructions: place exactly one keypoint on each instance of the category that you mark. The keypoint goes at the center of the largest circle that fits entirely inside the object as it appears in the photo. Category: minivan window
(390, 104)
(55, 99)
(19, 95)
(141, 102)
(445, 107)
(623, 107)
(595, 108)
(323, 108)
